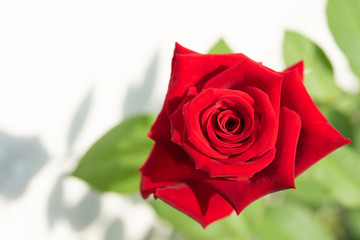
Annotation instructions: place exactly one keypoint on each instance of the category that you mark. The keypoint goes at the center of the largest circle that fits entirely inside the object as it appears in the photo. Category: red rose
(232, 130)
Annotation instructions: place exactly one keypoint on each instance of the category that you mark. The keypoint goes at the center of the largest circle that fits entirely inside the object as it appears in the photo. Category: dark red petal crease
(217, 168)
(197, 200)
(160, 130)
(176, 119)
(162, 169)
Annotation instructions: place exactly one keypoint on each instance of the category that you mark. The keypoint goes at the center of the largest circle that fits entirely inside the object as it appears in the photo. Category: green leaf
(344, 22)
(319, 79)
(335, 178)
(339, 174)
(344, 115)
(355, 140)
(112, 163)
(308, 190)
(292, 221)
(352, 223)
(341, 122)
(220, 47)
(232, 227)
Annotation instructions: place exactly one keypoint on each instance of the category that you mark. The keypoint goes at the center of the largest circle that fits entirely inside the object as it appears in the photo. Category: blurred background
(71, 70)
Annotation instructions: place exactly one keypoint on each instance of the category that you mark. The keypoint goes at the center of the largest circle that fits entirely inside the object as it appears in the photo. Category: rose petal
(264, 139)
(179, 50)
(162, 169)
(194, 136)
(217, 168)
(160, 131)
(194, 70)
(225, 144)
(214, 162)
(232, 143)
(188, 69)
(193, 110)
(176, 118)
(229, 122)
(197, 200)
(299, 66)
(277, 176)
(318, 137)
(250, 73)
(245, 110)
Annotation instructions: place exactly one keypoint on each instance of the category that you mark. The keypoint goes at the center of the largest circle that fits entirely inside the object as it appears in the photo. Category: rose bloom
(231, 131)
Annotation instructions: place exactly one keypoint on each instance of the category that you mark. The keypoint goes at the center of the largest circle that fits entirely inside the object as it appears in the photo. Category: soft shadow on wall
(21, 158)
(139, 99)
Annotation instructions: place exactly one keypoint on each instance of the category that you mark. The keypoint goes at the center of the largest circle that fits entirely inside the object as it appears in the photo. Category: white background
(72, 69)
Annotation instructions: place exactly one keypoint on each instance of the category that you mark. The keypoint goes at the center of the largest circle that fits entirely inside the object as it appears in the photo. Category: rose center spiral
(231, 124)
(228, 122)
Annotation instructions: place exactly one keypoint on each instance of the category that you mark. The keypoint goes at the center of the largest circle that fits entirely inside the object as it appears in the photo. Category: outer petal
(194, 70)
(196, 200)
(318, 137)
(176, 118)
(160, 131)
(299, 66)
(179, 50)
(162, 169)
(277, 176)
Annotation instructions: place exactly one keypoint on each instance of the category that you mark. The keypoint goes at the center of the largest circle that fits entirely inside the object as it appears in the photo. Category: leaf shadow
(115, 230)
(56, 206)
(79, 216)
(21, 158)
(79, 120)
(138, 97)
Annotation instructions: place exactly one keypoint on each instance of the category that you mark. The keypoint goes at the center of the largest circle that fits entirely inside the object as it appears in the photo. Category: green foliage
(292, 221)
(333, 180)
(341, 122)
(339, 174)
(319, 79)
(112, 163)
(352, 222)
(308, 191)
(344, 22)
(220, 47)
